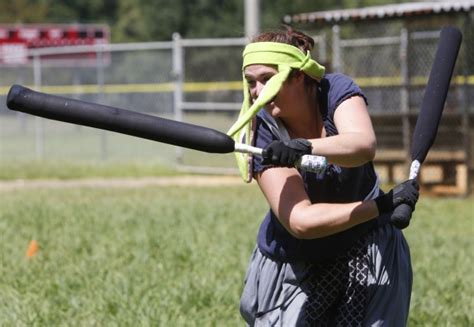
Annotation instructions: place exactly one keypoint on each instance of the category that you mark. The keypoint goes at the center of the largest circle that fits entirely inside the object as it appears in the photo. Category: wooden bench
(443, 172)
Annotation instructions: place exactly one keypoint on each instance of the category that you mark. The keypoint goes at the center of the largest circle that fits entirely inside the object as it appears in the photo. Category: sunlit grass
(176, 256)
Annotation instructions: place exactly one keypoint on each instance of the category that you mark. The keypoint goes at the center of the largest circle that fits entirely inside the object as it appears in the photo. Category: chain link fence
(133, 76)
(199, 81)
(391, 60)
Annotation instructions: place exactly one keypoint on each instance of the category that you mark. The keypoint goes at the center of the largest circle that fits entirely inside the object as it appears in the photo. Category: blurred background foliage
(156, 20)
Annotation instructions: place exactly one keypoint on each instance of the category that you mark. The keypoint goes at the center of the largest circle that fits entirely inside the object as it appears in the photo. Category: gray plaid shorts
(369, 285)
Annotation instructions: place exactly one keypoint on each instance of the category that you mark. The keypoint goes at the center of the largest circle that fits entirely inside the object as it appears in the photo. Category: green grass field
(176, 256)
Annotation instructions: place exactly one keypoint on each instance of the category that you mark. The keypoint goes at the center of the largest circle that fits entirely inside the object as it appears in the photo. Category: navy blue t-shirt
(336, 185)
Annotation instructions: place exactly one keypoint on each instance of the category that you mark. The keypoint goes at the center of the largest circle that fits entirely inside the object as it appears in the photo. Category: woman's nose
(258, 89)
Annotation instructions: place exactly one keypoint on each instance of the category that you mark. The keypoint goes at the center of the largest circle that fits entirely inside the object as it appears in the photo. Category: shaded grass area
(67, 169)
(176, 256)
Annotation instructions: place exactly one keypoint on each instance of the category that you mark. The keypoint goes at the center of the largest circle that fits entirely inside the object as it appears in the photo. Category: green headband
(286, 57)
(274, 53)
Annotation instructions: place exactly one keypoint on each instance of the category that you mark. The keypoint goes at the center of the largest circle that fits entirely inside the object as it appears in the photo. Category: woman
(326, 252)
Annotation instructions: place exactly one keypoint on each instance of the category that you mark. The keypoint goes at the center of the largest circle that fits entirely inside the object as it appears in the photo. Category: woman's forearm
(285, 192)
(324, 219)
(346, 150)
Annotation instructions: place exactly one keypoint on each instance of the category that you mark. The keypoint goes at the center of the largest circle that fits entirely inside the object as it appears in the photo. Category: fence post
(404, 92)
(252, 18)
(468, 146)
(100, 95)
(39, 122)
(322, 49)
(178, 73)
(336, 49)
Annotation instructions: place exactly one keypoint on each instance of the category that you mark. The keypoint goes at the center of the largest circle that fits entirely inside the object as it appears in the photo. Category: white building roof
(380, 12)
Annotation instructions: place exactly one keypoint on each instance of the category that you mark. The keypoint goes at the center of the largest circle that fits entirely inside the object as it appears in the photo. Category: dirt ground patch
(191, 180)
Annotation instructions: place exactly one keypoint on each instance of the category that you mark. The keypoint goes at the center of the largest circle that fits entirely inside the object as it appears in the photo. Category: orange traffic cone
(33, 249)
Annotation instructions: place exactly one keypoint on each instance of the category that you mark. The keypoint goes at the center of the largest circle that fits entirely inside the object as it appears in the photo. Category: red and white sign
(16, 40)
(13, 53)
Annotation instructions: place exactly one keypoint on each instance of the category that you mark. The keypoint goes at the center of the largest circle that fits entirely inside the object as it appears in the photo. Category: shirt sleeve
(263, 137)
(341, 88)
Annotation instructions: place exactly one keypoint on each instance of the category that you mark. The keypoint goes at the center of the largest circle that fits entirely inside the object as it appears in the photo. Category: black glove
(285, 153)
(406, 192)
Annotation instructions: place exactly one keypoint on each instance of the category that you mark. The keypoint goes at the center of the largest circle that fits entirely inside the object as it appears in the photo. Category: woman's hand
(285, 153)
(406, 192)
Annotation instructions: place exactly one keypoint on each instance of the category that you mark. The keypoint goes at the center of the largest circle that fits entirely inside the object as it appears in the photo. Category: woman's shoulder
(337, 87)
(337, 79)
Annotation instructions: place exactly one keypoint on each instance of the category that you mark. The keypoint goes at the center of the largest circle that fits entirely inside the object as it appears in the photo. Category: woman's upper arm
(285, 192)
(352, 116)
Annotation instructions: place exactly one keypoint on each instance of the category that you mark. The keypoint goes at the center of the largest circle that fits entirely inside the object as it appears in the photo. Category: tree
(23, 11)
(156, 20)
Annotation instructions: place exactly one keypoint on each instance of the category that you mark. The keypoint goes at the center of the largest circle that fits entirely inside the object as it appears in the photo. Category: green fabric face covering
(285, 57)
